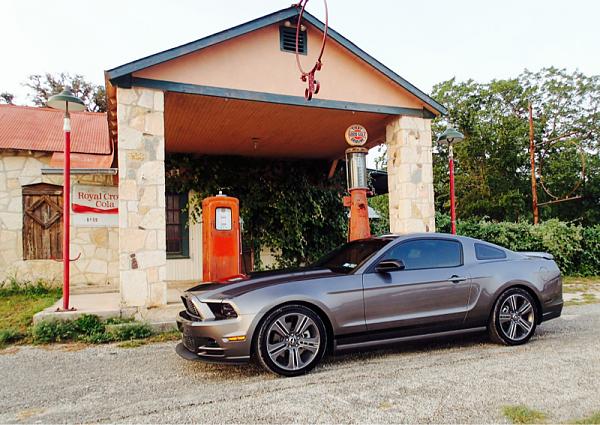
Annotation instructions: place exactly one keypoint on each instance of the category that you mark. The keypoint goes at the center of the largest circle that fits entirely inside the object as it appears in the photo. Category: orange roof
(40, 129)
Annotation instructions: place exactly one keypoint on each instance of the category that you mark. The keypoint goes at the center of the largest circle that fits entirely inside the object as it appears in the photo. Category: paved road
(444, 381)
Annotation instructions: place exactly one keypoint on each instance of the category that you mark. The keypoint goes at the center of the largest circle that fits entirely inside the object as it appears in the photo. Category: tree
(6, 97)
(492, 163)
(46, 85)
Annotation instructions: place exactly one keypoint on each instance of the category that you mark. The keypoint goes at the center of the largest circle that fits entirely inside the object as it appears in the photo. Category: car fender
(289, 299)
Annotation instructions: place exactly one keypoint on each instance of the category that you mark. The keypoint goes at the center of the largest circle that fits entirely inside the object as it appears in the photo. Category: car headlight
(222, 310)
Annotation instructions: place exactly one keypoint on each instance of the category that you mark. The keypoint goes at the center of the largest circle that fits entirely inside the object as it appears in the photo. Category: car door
(432, 291)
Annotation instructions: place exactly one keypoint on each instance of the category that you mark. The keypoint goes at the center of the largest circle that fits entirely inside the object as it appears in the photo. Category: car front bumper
(209, 340)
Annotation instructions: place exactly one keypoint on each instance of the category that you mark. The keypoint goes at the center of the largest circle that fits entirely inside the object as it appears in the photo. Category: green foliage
(380, 204)
(9, 335)
(576, 249)
(289, 206)
(6, 97)
(53, 331)
(590, 251)
(130, 331)
(562, 240)
(14, 286)
(492, 163)
(46, 85)
(87, 328)
(521, 414)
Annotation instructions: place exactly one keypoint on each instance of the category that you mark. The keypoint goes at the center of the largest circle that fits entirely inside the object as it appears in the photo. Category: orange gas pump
(356, 175)
(221, 238)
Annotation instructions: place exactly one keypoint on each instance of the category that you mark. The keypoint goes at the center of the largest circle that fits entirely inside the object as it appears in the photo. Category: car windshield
(348, 257)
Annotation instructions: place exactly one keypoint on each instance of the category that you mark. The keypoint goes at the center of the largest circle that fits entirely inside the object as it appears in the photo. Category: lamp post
(449, 137)
(66, 101)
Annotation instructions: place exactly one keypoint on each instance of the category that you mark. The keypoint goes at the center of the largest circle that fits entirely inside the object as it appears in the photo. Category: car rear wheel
(291, 340)
(514, 318)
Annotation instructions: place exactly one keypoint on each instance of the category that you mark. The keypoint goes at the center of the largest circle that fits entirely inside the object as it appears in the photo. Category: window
(487, 252)
(178, 235)
(349, 256)
(287, 40)
(42, 222)
(427, 253)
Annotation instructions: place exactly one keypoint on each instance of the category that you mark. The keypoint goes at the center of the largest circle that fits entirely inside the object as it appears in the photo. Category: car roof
(434, 235)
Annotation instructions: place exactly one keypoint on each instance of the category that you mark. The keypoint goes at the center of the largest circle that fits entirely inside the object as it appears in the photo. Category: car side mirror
(388, 266)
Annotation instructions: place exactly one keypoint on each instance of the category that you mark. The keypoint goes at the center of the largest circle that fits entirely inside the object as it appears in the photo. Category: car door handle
(457, 279)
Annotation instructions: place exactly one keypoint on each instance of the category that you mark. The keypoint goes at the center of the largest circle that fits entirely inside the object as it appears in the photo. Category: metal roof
(41, 129)
(125, 71)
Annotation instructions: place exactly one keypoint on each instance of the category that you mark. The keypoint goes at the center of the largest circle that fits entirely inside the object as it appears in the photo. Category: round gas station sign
(356, 135)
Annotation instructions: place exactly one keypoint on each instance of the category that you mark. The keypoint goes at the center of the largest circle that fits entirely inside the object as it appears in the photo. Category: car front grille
(200, 345)
(189, 343)
(191, 308)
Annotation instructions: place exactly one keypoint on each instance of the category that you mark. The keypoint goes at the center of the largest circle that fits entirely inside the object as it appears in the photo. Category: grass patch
(13, 286)
(156, 338)
(583, 300)
(573, 284)
(521, 414)
(593, 419)
(19, 301)
(569, 280)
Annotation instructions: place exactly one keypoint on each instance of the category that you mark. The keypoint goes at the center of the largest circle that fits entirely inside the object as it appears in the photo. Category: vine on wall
(289, 206)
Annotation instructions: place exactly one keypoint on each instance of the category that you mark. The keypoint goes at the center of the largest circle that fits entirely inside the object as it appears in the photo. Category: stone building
(31, 142)
(238, 92)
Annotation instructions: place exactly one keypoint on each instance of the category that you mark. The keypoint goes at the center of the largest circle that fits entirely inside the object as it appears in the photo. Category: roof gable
(141, 68)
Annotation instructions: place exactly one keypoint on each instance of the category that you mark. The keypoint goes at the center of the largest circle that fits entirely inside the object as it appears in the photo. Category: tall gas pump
(356, 176)
(221, 238)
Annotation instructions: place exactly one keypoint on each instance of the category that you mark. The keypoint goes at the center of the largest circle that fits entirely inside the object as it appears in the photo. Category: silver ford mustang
(371, 292)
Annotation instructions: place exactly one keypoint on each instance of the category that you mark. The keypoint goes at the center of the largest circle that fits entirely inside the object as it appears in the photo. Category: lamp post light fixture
(448, 138)
(66, 101)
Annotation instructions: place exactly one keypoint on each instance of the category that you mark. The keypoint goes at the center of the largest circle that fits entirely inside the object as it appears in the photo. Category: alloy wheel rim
(517, 317)
(293, 341)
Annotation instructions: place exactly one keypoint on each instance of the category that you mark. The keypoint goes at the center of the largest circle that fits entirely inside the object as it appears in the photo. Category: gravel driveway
(460, 380)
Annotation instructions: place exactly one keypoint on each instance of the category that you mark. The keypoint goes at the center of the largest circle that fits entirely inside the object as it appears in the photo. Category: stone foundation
(410, 175)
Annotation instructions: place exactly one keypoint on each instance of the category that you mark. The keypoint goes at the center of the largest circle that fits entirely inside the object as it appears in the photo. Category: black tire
(268, 335)
(513, 326)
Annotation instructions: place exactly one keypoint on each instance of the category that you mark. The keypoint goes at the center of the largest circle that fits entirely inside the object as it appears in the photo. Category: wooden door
(42, 222)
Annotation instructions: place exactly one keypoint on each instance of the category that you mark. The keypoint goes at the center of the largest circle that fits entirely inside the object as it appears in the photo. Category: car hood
(236, 286)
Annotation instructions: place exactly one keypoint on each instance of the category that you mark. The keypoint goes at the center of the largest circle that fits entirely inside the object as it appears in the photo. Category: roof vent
(287, 40)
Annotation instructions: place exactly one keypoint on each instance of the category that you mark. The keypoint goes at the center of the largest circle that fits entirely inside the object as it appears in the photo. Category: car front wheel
(291, 340)
(514, 317)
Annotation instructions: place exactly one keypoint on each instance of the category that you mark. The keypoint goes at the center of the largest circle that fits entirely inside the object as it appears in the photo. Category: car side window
(486, 252)
(427, 253)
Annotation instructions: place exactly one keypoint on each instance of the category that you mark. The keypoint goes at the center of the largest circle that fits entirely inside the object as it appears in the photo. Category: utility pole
(532, 159)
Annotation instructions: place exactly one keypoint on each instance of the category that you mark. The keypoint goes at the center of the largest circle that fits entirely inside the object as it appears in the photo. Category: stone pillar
(142, 243)
(410, 175)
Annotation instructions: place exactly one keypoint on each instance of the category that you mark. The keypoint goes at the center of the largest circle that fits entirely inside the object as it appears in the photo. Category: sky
(426, 42)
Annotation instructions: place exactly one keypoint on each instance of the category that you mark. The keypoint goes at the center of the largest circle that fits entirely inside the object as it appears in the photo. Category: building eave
(122, 75)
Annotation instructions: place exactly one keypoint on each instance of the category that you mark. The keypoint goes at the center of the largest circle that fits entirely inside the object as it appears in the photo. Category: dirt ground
(454, 380)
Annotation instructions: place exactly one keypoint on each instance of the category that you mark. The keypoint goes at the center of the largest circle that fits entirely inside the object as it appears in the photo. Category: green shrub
(576, 249)
(9, 335)
(129, 331)
(49, 331)
(562, 240)
(89, 324)
(89, 328)
(590, 252)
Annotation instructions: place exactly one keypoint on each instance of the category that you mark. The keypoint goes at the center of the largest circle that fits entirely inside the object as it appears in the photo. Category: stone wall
(410, 175)
(142, 237)
(96, 270)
